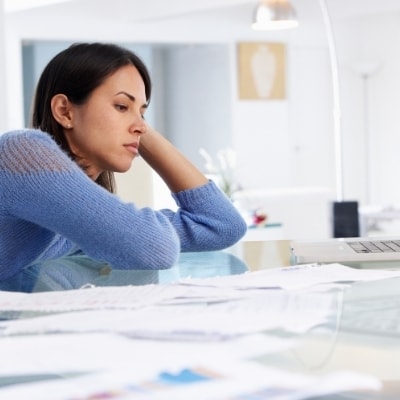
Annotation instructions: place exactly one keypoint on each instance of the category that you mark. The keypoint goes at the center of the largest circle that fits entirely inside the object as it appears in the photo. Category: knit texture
(50, 208)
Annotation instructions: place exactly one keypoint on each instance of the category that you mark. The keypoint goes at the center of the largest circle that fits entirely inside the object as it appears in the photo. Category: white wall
(289, 142)
(372, 50)
(197, 97)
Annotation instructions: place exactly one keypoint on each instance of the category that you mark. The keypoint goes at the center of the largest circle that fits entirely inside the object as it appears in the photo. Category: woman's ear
(62, 110)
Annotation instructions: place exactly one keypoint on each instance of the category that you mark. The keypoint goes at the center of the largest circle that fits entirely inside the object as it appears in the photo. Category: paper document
(209, 380)
(188, 290)
(122, 297)
(294, 277)
(63, 354)
(257, 312)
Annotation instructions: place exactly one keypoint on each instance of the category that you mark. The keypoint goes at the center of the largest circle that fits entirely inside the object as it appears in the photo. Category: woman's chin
(122, 168)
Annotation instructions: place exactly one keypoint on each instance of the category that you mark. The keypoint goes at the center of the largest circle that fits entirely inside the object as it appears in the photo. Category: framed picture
(262, 71)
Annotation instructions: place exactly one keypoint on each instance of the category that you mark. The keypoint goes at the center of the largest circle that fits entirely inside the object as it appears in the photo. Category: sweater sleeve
(43, 186)
(206, 219)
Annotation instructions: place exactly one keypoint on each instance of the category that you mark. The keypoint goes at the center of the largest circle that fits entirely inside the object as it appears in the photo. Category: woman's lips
(132, 148)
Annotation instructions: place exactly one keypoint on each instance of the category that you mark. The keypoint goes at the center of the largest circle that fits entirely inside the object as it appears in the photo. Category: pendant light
(273, 15)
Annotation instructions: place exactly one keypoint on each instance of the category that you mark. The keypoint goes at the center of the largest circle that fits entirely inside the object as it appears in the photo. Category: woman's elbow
(225, 234)
(233, 231)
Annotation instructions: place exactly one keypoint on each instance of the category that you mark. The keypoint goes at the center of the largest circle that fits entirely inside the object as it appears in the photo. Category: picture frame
(261, 71)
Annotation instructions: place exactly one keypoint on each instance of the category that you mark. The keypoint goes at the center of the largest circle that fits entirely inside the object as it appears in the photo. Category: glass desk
(361, 333)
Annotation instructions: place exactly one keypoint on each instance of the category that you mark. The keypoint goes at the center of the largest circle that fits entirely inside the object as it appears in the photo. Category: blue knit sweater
(49, 208)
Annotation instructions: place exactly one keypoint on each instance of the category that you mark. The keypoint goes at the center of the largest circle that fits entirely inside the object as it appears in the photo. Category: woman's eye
(121, 107)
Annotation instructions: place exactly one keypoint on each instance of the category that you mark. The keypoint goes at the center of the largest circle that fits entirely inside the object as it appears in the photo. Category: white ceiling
(174, 21)
(21, 5)
(156, 9)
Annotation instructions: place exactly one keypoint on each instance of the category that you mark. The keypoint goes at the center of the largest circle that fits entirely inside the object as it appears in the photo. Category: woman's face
(106, 129)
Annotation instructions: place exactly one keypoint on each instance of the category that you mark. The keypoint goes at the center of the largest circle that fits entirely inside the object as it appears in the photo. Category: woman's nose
(138, 125)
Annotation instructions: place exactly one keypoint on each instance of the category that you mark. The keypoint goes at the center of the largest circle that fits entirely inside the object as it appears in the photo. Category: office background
(191, 48)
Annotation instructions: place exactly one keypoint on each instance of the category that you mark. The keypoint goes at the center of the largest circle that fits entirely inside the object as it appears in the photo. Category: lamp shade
(273, 15)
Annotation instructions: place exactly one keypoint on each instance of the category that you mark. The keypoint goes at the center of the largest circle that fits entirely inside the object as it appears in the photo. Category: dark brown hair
(76, 72)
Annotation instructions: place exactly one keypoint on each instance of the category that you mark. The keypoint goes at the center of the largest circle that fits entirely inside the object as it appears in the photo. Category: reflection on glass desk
(76, 271)
(361, 333)
(256, 249)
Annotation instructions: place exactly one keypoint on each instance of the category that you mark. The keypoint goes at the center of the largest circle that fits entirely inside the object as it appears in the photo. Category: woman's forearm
(172, 166)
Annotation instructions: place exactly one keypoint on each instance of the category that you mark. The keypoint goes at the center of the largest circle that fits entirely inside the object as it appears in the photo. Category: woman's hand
(172, 166)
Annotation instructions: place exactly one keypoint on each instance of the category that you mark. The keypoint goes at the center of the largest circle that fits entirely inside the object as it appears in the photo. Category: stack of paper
(197, 331)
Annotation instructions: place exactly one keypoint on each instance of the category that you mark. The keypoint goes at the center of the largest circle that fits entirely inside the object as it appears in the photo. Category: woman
(56, 181)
